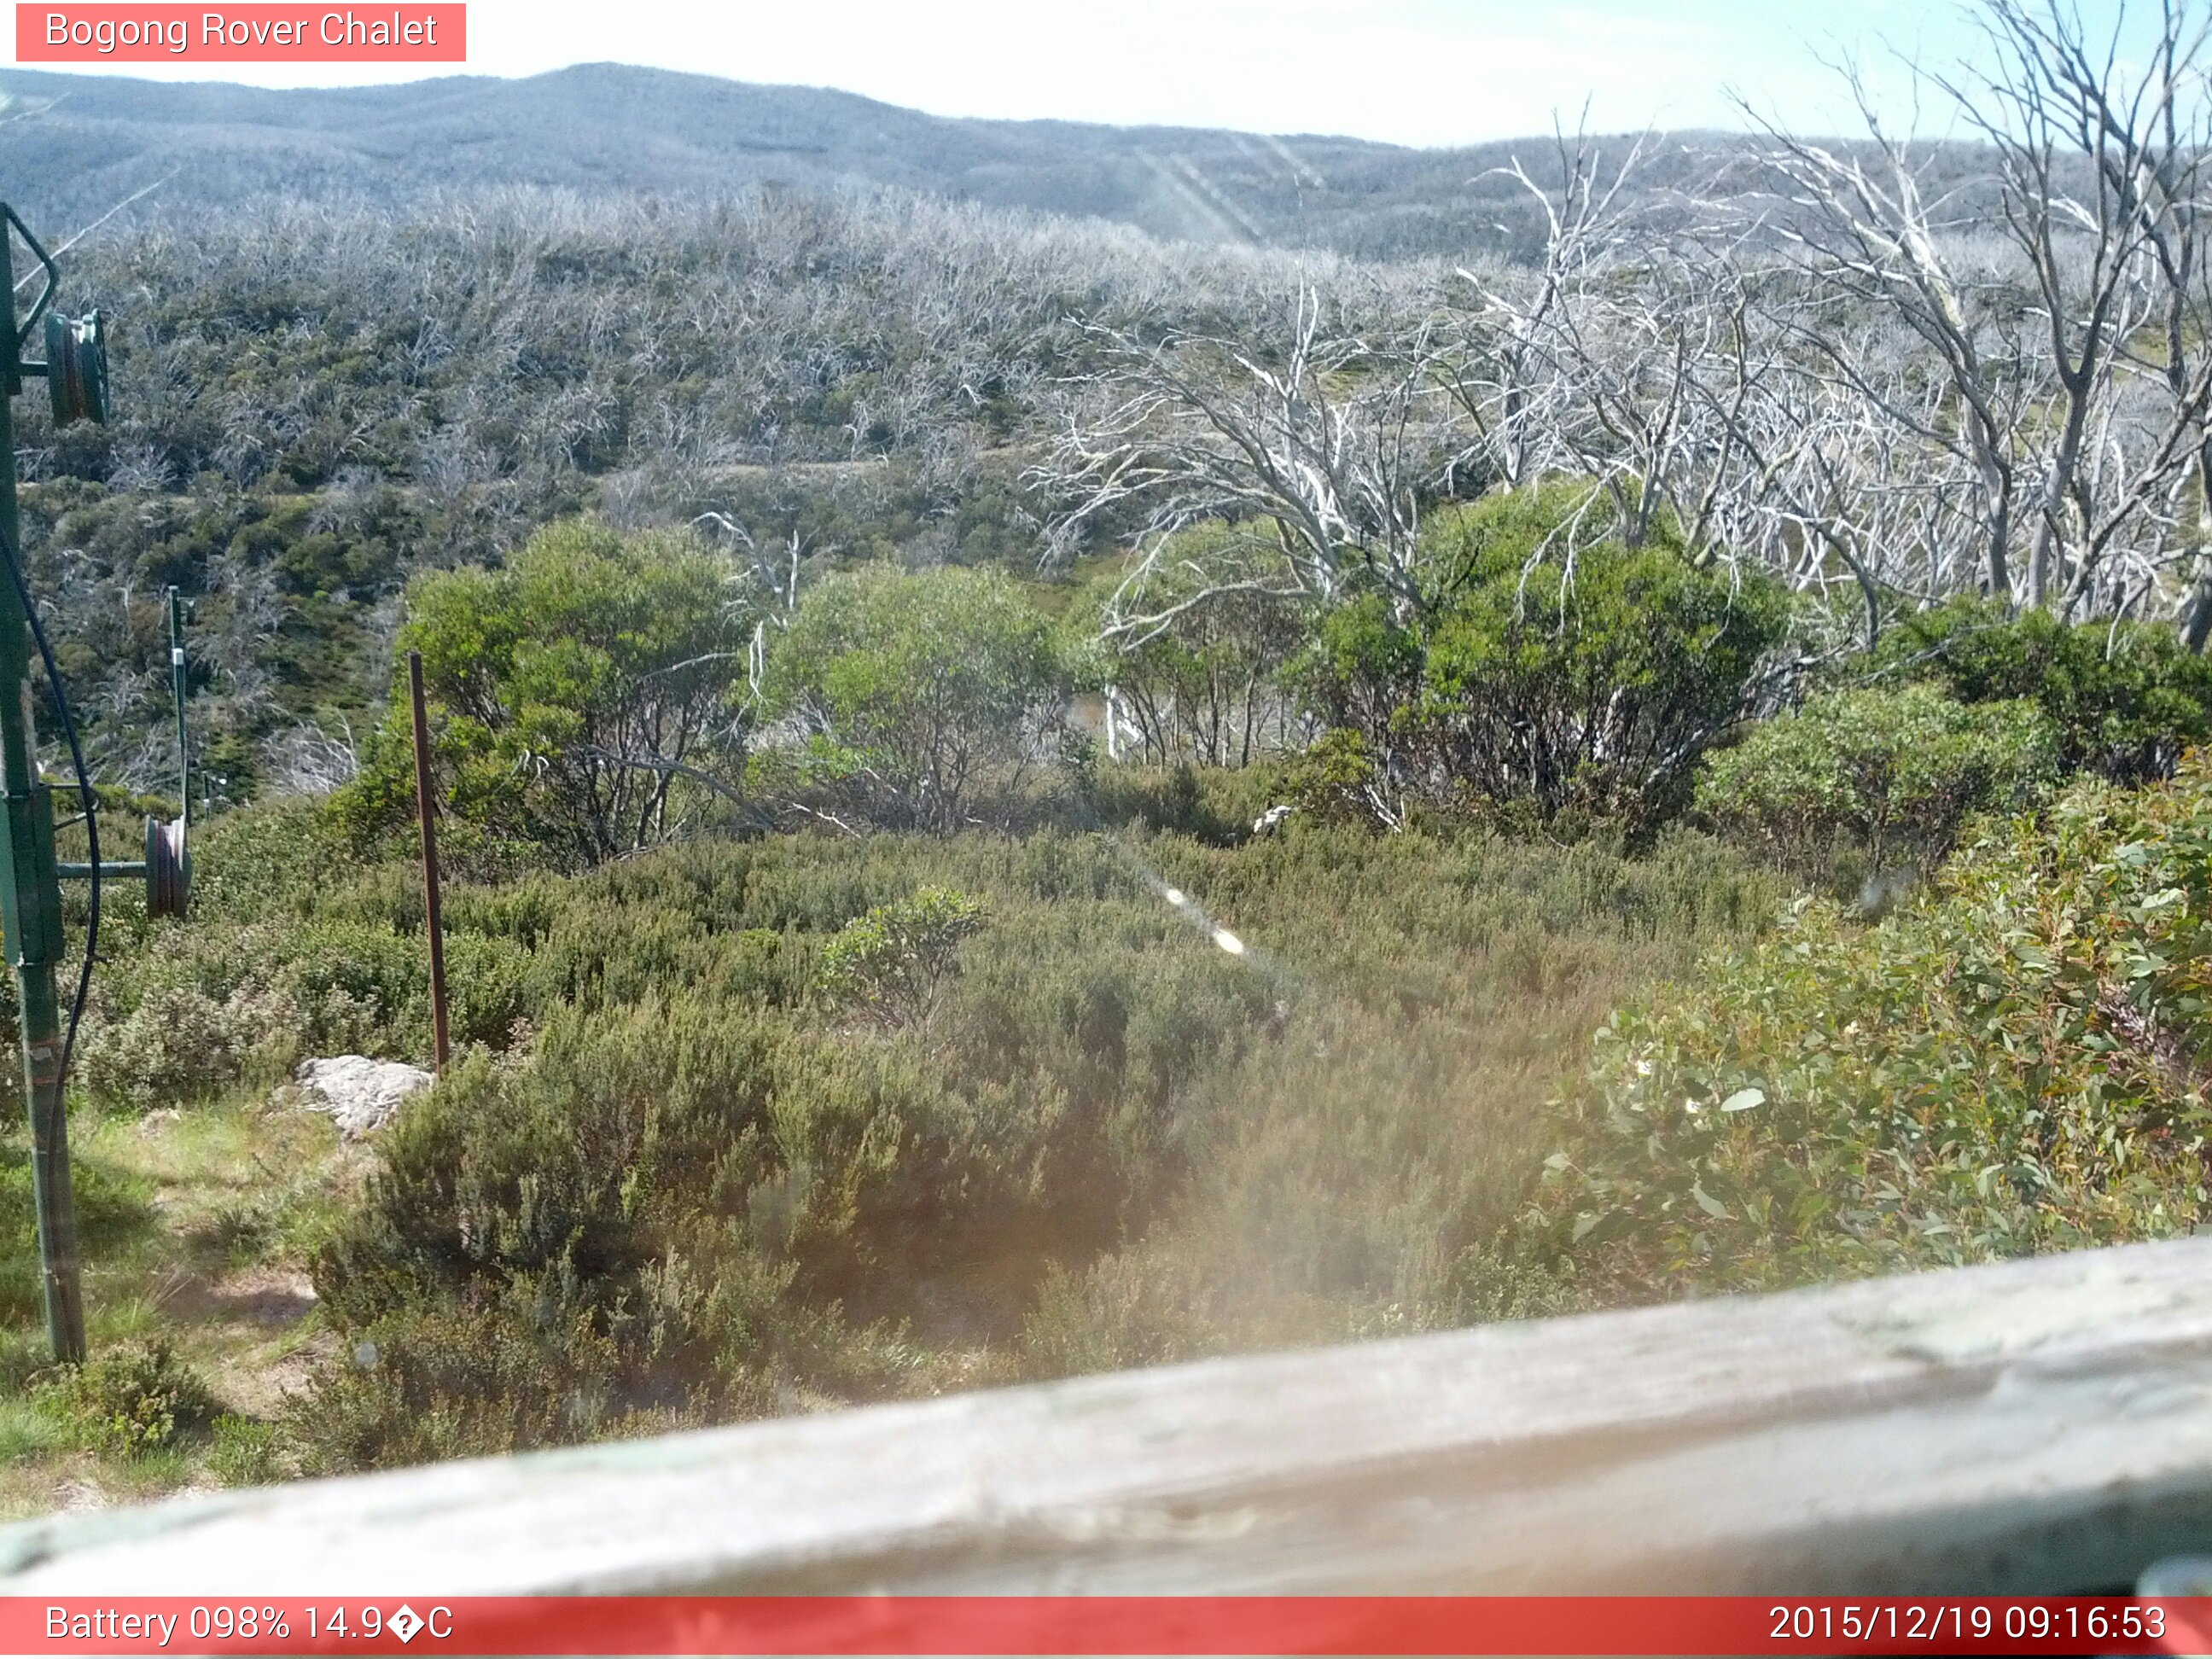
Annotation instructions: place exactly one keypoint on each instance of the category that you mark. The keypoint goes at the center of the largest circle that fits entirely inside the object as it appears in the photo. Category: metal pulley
(168, 868)
(76, 367)
(168, 859)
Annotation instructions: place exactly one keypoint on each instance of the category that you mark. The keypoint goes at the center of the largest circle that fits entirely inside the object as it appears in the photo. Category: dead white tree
(1503, 368)
(2073, 343)
(2099, 164)
(1319, 446)
(1868, 232)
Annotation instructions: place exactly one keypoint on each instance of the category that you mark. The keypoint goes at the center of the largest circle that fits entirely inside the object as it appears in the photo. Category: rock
(361, 1094)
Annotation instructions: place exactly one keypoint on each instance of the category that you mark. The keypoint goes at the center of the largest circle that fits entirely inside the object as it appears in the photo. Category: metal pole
(433, 919)
(177, 695)
(31, 903)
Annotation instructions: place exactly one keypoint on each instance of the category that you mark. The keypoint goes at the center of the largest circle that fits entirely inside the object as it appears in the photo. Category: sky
(1428, 72)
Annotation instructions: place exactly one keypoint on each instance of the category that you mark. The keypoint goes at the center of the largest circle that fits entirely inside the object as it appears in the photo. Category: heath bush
(135, 1398)
(1891, 775)
(2125, 699)
(2015, 1061)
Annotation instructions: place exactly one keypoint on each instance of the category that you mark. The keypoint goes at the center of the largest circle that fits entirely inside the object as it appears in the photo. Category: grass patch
(197, 1226)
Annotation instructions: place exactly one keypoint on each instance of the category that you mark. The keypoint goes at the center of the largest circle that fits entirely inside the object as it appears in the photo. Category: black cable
(91, 802)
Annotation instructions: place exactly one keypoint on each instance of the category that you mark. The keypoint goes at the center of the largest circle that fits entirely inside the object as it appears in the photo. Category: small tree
(1558, 676)
(587, 697)
(891, 966)
(1893, 774)
(1198, 676)
(912, 689)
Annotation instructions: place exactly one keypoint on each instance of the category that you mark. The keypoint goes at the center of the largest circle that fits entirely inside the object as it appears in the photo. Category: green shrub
(1594, 689)
(891, 966)
(1363, 673)
(177, 1045)
(682, 1195)
(522, 1369)
(2015, 1062)
(1217, 805)
(295, 948)
(1890, 775)
(269, 859)
(587, 699)
(2126, 698)
(1336, 780)
(1588, 686)
(684, 1202)
(135, 1397)
(668, 1202)
(916, 690)
(220, 1004)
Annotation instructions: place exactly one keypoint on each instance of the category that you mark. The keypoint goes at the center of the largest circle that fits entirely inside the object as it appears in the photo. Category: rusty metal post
(434, 920)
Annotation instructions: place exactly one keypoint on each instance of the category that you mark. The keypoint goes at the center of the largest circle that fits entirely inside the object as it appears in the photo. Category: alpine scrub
(2015, 1062)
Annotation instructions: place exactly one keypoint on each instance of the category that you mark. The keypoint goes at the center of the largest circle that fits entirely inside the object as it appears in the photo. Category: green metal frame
(75, 372)
(30, 878)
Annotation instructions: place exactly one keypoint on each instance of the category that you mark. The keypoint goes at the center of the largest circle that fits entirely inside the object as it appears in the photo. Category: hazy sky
(1413, 71)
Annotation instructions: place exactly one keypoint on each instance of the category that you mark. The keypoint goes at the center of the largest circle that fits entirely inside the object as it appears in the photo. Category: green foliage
(1892, 775)
(1594, 687)
(2015, 1062)
(177, 1045)
(1201, 687)
(281, 960)
(1336, 780)
(585, 695)
(889, 965)
(1217, 805)
(1589, 686)
(244, 1452)
(917, 690)
(2126, 698)
(665, 1206)
(133, 1398)
(697, 1192)
(1364, 673)
(1548, 520)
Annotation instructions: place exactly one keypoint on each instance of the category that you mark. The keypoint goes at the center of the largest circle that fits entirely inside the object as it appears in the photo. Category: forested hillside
(317, 402)
(1026, 796)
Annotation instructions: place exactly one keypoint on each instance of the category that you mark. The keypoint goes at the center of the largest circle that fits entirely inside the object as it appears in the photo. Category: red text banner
(310, 33)
(1101, 1625)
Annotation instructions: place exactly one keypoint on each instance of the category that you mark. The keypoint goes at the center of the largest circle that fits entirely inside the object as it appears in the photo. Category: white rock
(361, 1094)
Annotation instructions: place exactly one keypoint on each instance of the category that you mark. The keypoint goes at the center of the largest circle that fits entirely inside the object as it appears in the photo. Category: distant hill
(71, 146)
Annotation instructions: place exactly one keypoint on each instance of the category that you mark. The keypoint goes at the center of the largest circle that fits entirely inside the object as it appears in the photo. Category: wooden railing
(2039, 1426)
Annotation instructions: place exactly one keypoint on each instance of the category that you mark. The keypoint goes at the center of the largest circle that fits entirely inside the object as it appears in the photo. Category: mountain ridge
(72, 146)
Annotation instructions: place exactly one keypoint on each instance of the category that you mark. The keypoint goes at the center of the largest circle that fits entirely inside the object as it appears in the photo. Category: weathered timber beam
(2037, 1426)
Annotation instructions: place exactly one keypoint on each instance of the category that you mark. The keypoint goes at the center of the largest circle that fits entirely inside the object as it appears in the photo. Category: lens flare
(1185, 906)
